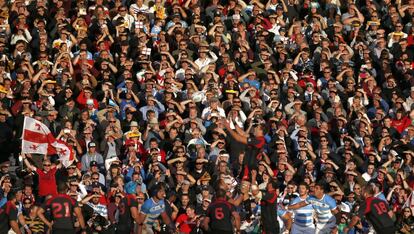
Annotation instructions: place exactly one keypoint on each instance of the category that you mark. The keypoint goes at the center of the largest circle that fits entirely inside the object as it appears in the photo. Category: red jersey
(47, 182)
(186, 225)
(220, 212)
(7, 213)
(61, 208)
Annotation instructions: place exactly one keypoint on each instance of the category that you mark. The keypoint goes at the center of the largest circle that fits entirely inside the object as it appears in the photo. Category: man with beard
(376, 211)
(8, 215)
(152, 209)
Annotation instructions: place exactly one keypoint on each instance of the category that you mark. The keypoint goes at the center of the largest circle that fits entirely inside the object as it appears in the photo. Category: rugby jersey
(36, 225)
(304, 215)
(323, 208)
(153, 210)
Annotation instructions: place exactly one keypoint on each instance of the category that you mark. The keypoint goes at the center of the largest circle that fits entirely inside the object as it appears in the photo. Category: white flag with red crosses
(37, 139)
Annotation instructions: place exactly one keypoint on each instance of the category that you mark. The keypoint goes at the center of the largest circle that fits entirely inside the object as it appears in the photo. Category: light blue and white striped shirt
(323, 208)
(303, 215)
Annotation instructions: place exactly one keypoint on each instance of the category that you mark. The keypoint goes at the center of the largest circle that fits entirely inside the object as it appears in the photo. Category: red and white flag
(410, 202)
(37, 139)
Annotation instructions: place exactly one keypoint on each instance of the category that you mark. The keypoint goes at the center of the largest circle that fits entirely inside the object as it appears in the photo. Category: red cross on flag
(37, 139)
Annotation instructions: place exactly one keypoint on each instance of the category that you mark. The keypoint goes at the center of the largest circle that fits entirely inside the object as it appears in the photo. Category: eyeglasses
(95, 178)
(112, 121)
(47, 165)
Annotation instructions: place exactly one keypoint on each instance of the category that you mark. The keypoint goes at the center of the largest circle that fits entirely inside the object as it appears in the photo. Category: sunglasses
(47, 165)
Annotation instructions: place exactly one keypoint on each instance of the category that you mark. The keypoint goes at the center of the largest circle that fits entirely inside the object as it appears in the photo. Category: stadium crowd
(193, 116)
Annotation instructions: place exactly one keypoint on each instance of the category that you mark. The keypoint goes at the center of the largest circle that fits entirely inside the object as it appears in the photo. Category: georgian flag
(37, 139)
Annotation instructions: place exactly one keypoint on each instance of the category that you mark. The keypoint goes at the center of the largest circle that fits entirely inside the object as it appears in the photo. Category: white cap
(236, 17)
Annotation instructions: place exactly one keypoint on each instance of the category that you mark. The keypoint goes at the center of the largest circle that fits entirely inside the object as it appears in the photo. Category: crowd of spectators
(198, 94)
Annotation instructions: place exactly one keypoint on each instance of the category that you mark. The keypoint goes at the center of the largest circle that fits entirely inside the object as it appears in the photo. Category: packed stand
(209, 116)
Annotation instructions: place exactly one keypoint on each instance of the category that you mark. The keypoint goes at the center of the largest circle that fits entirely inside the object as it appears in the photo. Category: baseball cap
(89, 102)
(93, 163)
(129, 142)
(91, 144)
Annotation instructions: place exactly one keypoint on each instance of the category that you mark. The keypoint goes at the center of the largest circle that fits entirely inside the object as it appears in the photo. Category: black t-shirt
(254, 148)
(61, 208)
(125, 221)
(220, 212)
(376, 211)
(7, 213)
(268, 206)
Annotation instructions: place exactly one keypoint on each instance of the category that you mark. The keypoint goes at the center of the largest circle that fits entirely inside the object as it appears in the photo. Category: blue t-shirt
(303, 215)
(323, 208)
(152, 210)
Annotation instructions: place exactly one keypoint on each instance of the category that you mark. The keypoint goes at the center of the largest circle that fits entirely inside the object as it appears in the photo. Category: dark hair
(304, 184)
(62, 188)
(322, 185)
(159, 186)
(274, 183)
(11, 195)
(221, 193)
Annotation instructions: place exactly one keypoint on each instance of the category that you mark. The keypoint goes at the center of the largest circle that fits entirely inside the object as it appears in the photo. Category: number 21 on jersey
(58, 211)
